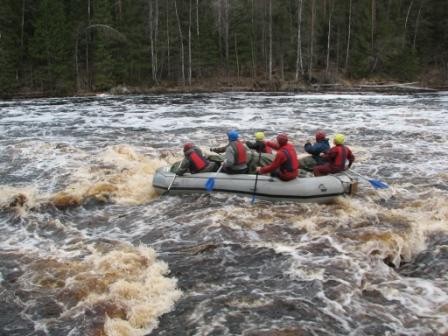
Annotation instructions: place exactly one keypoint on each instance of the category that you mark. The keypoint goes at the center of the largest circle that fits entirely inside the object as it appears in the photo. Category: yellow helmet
(259, 136)
(339, 139)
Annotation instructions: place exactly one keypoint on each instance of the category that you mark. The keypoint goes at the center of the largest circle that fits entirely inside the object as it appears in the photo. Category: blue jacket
(318, 147)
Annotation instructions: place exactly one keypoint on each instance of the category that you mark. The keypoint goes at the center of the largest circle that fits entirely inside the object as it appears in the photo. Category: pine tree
(50, 47)
(9, 49)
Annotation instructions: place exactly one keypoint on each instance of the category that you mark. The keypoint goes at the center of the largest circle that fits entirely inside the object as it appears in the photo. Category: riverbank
(245, 85)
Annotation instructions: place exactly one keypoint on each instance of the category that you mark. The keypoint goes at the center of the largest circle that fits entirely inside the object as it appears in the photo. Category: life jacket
(197, 161)
(264, 148)
(291, 164)
(341, 157)
(240, 153)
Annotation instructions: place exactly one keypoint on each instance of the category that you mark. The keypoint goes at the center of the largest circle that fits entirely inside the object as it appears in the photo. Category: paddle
(377, 184)
(210, 183)
(256, 179)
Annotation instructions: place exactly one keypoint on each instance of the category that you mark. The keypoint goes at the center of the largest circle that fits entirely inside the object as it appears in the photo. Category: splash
(127, 287)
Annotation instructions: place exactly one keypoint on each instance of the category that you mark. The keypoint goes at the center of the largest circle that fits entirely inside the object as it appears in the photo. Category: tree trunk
(252, 46)
(406, 22)
(299, 59)
(152, 35)
(168, 40)
(237, 59)
(189, 43)
(197, 18)
(313, 17)
(89, 82)
(181, 38)
(347, 54)
(270, 40)
(329, 36)
(373, 19)
(417, 22)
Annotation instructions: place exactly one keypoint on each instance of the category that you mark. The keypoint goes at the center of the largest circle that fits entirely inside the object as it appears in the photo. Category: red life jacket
(266, 148)
(240, 153)
(197, 161)
(341, 157)
(291, 164)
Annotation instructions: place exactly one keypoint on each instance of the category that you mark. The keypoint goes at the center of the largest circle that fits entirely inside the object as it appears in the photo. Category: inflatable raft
(321, 189)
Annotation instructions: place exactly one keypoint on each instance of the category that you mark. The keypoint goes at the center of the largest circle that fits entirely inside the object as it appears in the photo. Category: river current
(87, 248)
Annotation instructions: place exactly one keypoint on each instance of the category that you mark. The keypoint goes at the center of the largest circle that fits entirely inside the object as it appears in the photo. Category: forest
(63, 47)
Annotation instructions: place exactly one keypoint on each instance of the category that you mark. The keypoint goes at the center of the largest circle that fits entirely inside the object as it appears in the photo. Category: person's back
(285, 165)
(194, 161)
(321, 145)
(336, 158)
(235, 161)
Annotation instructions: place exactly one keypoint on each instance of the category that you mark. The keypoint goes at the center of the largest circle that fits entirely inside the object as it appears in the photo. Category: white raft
(321, 189)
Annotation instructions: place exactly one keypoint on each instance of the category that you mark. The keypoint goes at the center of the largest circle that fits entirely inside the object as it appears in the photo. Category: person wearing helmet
(236, 157)
(194, 161)
(335, 157)
(260, 145)
(321, 145)
(285, 165)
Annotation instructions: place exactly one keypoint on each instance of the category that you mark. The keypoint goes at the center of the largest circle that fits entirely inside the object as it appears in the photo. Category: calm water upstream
(87, 248)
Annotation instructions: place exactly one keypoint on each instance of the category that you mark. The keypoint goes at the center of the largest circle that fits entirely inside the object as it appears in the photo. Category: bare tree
(270, 40)
(330, 4)
(181, 39)
(299, 59)
(189, 43)
(406, 22)
(417, 22)
(153, 32)
(197, 17)
(168, 39)
(313, 18)
(237, 59)
(349, 31)
(252, 44)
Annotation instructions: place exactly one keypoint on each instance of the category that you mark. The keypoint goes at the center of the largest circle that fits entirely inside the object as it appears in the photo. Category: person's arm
(280, 157)
(315, 149)
(183, 168)
(350, 157)
(229, 159)
(221, 149)
(273, 144)
(330, 155)
(251, 145)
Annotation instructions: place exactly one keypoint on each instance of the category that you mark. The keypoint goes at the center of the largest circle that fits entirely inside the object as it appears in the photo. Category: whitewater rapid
(88, 248)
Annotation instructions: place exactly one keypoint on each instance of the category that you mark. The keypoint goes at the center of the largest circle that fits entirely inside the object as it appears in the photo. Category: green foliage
(50, 47)
(9, 50)
(103, 43)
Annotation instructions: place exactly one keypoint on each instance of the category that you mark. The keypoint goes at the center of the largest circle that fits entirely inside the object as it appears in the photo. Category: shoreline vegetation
(54, 48)
(245, 85)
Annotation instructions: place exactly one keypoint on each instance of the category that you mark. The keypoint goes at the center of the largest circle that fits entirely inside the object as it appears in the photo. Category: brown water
(87, 248)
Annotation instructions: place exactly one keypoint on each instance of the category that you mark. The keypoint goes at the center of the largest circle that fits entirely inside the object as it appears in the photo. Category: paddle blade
(253, 199)
(378, 184)
(210, 184)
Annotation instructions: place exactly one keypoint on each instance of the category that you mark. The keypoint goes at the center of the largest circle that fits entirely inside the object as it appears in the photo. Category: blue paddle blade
(253, 199)
(378, 184)
(210, 184)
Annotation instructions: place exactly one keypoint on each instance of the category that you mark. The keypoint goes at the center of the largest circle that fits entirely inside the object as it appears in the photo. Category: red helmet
(188, 146)
(320, 135)
(282, 139)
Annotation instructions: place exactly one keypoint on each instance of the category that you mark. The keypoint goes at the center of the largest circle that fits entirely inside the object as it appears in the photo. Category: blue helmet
(233, 135)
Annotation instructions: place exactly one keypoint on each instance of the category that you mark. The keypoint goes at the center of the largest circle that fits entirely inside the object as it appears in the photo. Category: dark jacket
(259, 146)
(316, 149)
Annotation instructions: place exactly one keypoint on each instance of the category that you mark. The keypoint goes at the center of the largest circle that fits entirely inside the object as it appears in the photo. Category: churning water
(87, 248)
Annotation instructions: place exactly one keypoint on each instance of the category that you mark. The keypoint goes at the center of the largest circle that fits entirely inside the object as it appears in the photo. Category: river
(87, 248)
